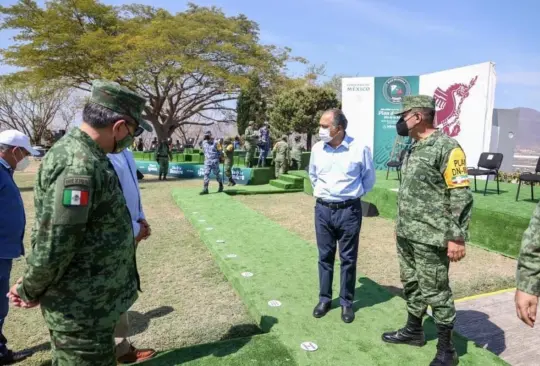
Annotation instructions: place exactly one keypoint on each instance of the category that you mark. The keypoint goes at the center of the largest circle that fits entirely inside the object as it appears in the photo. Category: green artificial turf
(284, 268)
(258, 350)
(260, 189)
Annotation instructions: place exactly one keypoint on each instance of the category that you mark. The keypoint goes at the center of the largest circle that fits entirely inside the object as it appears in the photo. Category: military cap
(284, 137)
(250, 123)
(208, 133)
(119, 99)
(416, 101)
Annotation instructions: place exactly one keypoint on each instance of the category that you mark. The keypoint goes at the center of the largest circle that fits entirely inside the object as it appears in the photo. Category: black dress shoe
(321, 309)
(347, 314)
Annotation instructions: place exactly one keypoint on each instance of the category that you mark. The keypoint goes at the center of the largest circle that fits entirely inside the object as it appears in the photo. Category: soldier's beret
(119, 99)
(416, 101)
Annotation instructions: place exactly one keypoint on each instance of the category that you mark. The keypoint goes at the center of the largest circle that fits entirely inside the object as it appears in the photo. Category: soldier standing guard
(162, 155)
(82, 271)
(212, 156)
(249, 144)
(296, 153)
(229, 160)
(281, 156)
(528, 272)
(434, 207)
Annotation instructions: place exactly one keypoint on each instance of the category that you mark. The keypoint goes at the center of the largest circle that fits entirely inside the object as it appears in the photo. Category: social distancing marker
(209, 228)
(274, 303)
(247, 274)
(231, 256)
(202, 220)
(195, 213)
(309, 346)
(220, 241)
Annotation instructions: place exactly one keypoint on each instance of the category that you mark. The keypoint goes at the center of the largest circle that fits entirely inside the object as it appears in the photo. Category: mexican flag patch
(73, 197)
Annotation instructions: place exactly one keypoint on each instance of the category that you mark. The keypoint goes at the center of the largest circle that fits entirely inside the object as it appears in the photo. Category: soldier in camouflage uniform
(162, 155)
(212, 157)
(528, 272)
(250, 140)
(229, 160)
(296, 153)
(82, 271)
(434, 206)
(281, 156)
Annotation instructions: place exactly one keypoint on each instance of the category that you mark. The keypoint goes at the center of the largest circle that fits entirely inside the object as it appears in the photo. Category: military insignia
(456, 175)
(75, 197)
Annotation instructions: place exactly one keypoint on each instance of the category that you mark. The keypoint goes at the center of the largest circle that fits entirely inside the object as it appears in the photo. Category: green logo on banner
(394, 89)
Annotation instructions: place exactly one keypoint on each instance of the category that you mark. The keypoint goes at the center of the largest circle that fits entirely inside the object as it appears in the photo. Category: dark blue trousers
(335, 226)
(5, 271)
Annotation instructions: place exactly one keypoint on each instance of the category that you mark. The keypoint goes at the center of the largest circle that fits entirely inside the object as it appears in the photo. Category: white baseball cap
(18, 139)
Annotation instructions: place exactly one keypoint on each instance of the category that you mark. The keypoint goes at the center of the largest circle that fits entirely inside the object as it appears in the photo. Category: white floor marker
(247, 274)
(231, 255)
(209, 228)
(274, 303)
(309, 346)
(220, 241)
(202, 220)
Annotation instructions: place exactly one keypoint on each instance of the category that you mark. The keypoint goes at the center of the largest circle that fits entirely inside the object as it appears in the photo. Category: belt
(342, 204)
(163, 156)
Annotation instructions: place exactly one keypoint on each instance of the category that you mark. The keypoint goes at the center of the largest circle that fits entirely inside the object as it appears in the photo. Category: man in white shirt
(126, 169)
(341, 171)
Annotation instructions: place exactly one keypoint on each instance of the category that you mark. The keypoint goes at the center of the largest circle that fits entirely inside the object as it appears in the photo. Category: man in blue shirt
(341, 171)
(14, 150)
(126, 170)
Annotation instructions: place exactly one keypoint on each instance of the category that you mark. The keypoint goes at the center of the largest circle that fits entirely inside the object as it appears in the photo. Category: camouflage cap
(119, 99)
(250, 123)
(416, 101)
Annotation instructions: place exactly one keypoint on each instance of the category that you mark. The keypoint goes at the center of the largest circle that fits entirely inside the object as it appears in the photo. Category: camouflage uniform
(296, 154)
(212, 156)
(162, 156)
(249, 144)
(528, 269)
(82, 269)
(229, 161)
(434, 207)
(281, 155)
(264, 144)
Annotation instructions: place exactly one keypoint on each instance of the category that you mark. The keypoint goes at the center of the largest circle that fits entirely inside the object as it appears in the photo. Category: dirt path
(479, 272)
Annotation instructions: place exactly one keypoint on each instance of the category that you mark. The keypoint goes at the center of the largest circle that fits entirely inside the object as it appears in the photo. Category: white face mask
(324, 134)
(23, 164)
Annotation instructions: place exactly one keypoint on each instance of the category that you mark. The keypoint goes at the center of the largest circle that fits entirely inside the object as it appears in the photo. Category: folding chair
(532, 178)
(488, 164)
(396, 164)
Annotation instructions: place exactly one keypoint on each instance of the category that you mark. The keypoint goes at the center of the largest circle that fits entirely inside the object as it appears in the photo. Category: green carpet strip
(284, 268)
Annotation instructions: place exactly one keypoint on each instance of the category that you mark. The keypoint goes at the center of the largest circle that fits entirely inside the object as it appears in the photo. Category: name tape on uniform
(456, 175)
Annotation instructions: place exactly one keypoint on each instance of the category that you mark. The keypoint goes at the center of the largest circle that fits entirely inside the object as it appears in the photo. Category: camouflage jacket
(434, 199)
(229, 154)
(281, 151)
(296, 151)
(249, 136)
(163, 151)
(82, 268)
(528, 269)
(212, 154)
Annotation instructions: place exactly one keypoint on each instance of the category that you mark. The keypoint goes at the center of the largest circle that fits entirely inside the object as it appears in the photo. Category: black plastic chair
(532, 178)
(396, 164)
(488, 164)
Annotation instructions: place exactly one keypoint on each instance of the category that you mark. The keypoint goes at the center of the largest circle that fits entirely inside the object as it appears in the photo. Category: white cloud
(396, 18)
(523, 78)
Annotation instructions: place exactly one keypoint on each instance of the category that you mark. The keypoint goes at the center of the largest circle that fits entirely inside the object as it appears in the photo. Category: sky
(391, 38)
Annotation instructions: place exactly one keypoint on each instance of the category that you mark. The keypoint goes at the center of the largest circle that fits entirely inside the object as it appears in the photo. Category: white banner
(358, 103)
(464, 98)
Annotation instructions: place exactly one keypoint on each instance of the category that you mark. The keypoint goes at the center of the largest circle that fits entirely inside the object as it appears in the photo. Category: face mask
(401, 127)
(124, 143)
(22, 164)
(324, 134)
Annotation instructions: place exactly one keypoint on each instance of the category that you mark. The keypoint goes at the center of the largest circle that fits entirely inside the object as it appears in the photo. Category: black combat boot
(232, 183)
(159, 177)
(446, 353)
(204, 191)
(412, 334)
(220, 187)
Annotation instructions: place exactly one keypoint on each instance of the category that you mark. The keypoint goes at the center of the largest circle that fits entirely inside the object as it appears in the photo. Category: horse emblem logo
(448, 103)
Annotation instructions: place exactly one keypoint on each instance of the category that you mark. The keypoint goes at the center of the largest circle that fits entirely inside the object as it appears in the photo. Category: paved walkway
(491, 322)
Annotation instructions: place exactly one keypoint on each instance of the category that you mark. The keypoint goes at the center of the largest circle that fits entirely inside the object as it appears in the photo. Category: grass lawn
(480, 272)
(186, 300)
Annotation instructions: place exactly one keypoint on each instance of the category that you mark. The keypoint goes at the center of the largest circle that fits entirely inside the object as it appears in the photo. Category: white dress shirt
(126, 169)
(344, 173)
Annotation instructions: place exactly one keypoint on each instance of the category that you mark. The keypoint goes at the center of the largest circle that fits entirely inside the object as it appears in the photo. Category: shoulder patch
(77, 181)
(455, 174)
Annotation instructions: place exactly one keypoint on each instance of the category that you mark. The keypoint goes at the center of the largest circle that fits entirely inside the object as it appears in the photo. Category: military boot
(204, 191)
(412, 334)
(159, 177)
(220, 187)
(446, 353)
(232, 183)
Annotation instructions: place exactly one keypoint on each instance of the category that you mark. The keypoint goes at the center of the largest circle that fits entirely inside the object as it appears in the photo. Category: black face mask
(401, 127)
